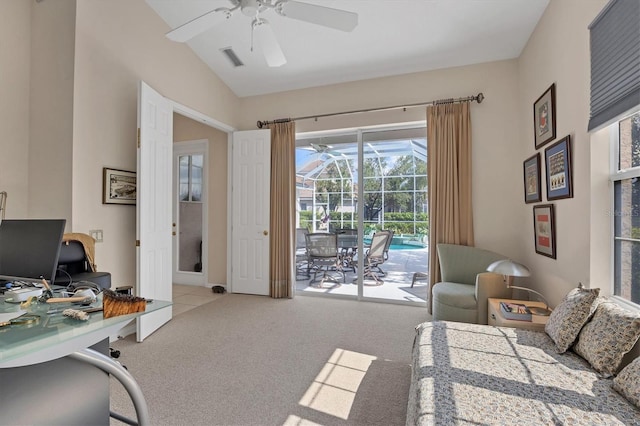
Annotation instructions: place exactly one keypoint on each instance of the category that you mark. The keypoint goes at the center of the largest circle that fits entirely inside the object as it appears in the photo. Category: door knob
(265, 232)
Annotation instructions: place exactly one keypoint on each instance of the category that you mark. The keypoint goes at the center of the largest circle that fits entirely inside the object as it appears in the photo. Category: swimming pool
(397, 244)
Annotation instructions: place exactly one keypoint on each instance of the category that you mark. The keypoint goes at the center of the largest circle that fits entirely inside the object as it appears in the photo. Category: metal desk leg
(108, 365)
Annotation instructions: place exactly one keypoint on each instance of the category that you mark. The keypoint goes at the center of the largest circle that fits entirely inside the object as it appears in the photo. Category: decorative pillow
(567, 319)
(609, 335)
(627, 382)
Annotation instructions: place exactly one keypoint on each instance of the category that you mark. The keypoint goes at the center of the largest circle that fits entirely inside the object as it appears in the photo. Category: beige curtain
(282, 211)
(449, 180)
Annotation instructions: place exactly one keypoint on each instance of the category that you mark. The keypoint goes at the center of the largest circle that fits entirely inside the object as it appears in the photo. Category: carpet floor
(253, 360)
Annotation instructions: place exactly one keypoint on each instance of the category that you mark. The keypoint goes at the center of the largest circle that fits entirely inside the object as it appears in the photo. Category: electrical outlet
(96, 234)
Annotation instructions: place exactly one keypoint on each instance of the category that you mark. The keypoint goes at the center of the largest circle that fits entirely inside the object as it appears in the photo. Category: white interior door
(251, 166)
(153, 212)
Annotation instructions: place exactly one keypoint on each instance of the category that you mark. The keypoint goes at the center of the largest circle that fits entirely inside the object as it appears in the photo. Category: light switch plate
(96, 234)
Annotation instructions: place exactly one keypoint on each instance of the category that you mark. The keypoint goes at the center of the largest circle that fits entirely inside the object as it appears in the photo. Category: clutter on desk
(76, 314)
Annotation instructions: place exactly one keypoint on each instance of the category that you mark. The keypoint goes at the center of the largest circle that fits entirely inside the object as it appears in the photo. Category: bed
(471, 374)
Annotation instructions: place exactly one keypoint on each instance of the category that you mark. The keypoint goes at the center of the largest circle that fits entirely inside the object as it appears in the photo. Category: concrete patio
(400, 268)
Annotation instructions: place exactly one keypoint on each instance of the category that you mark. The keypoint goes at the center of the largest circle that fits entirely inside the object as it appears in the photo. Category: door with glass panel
(358, 184)
(189, 212)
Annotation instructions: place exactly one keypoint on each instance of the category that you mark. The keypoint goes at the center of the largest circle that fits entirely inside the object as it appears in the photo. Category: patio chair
(302, 261)
(348, 247)
(375, 256)
(386, 251)
(323, 256)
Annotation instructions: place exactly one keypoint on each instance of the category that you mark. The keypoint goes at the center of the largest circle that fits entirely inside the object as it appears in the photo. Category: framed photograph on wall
(557, 159)
(544, 230)
(118, 186)
(544, 117)
(532, 189)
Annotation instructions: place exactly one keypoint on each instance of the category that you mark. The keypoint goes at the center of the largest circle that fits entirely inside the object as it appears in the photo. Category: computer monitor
(29, 248)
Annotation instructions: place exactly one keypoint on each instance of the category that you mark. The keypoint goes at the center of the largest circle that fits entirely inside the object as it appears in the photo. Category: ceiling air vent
(231, 55)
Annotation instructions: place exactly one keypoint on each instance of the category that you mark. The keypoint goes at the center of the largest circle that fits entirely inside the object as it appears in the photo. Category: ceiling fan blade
(326, 16)
(268, 43)
(198, 25)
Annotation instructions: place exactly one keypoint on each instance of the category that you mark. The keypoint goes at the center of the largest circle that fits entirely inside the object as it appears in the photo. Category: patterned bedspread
(469, 374)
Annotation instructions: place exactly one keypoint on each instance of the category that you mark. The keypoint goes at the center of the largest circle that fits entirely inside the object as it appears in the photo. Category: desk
(43, 380)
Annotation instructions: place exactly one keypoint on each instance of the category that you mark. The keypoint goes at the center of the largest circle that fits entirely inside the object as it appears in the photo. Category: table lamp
(509, 269)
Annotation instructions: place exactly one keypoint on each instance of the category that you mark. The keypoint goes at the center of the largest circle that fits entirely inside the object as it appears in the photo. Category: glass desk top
(56, 335)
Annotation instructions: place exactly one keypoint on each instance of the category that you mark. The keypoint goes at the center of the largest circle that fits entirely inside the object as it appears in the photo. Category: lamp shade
(509, 267)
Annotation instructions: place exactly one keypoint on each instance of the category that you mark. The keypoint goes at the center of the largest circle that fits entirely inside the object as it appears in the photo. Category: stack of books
(515, 311)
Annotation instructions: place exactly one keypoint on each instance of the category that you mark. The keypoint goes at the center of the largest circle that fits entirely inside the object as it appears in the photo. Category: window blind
(615, 61)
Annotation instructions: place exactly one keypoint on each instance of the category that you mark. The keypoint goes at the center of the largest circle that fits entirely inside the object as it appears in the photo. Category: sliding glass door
(356, 185)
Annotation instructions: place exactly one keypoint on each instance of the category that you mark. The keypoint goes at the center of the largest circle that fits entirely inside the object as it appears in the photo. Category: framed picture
(544, 117)
(118, 186)
(544, 230)
(558, 169)
(532, 190)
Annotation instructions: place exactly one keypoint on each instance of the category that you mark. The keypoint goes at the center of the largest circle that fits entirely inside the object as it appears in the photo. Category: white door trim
(200, 146)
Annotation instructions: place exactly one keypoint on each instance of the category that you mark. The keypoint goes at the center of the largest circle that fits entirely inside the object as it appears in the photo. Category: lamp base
(535, 310)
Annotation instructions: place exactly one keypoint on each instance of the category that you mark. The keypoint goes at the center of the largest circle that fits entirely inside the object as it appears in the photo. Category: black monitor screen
(29, 248)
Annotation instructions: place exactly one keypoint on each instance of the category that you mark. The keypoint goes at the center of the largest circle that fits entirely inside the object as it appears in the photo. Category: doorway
(361, 182)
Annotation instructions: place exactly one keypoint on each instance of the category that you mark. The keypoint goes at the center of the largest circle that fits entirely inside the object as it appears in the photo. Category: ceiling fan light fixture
(250, 8)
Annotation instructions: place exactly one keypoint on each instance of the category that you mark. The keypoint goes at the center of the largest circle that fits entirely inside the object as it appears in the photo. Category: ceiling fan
(320, 15)
(321, 149)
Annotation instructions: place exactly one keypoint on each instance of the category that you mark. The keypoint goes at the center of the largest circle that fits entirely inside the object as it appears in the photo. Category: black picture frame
(118, 186)
(559, 169)
(544, 230)
(532, 187)
(544, 117)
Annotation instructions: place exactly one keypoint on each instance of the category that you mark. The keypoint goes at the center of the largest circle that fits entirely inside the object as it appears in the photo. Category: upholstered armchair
(465, 287)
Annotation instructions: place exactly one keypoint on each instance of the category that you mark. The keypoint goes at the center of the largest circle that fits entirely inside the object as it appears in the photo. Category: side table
(495, 315)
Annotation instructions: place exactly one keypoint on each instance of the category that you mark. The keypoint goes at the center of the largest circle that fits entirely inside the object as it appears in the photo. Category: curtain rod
(479, 98)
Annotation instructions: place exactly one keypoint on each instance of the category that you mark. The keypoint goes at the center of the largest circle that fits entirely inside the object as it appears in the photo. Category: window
(626, 208)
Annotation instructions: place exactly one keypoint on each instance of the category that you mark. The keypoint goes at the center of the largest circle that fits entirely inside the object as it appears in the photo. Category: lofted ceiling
(392, 37)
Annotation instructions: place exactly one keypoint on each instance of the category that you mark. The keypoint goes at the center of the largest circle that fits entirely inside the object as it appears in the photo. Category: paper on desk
(11, 315)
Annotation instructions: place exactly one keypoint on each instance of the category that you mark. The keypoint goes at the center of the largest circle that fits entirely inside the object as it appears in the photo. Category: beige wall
(118, 43)
(558, 52)
(51, 109)
(494, 129)
(185, 129)
(15, 60)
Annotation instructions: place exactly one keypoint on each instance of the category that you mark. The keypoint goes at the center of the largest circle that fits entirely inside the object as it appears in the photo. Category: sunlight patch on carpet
(334, 388)
(294, 420)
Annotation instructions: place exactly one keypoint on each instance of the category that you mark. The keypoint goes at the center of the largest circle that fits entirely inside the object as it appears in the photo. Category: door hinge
(137, 243)
(138, 137)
